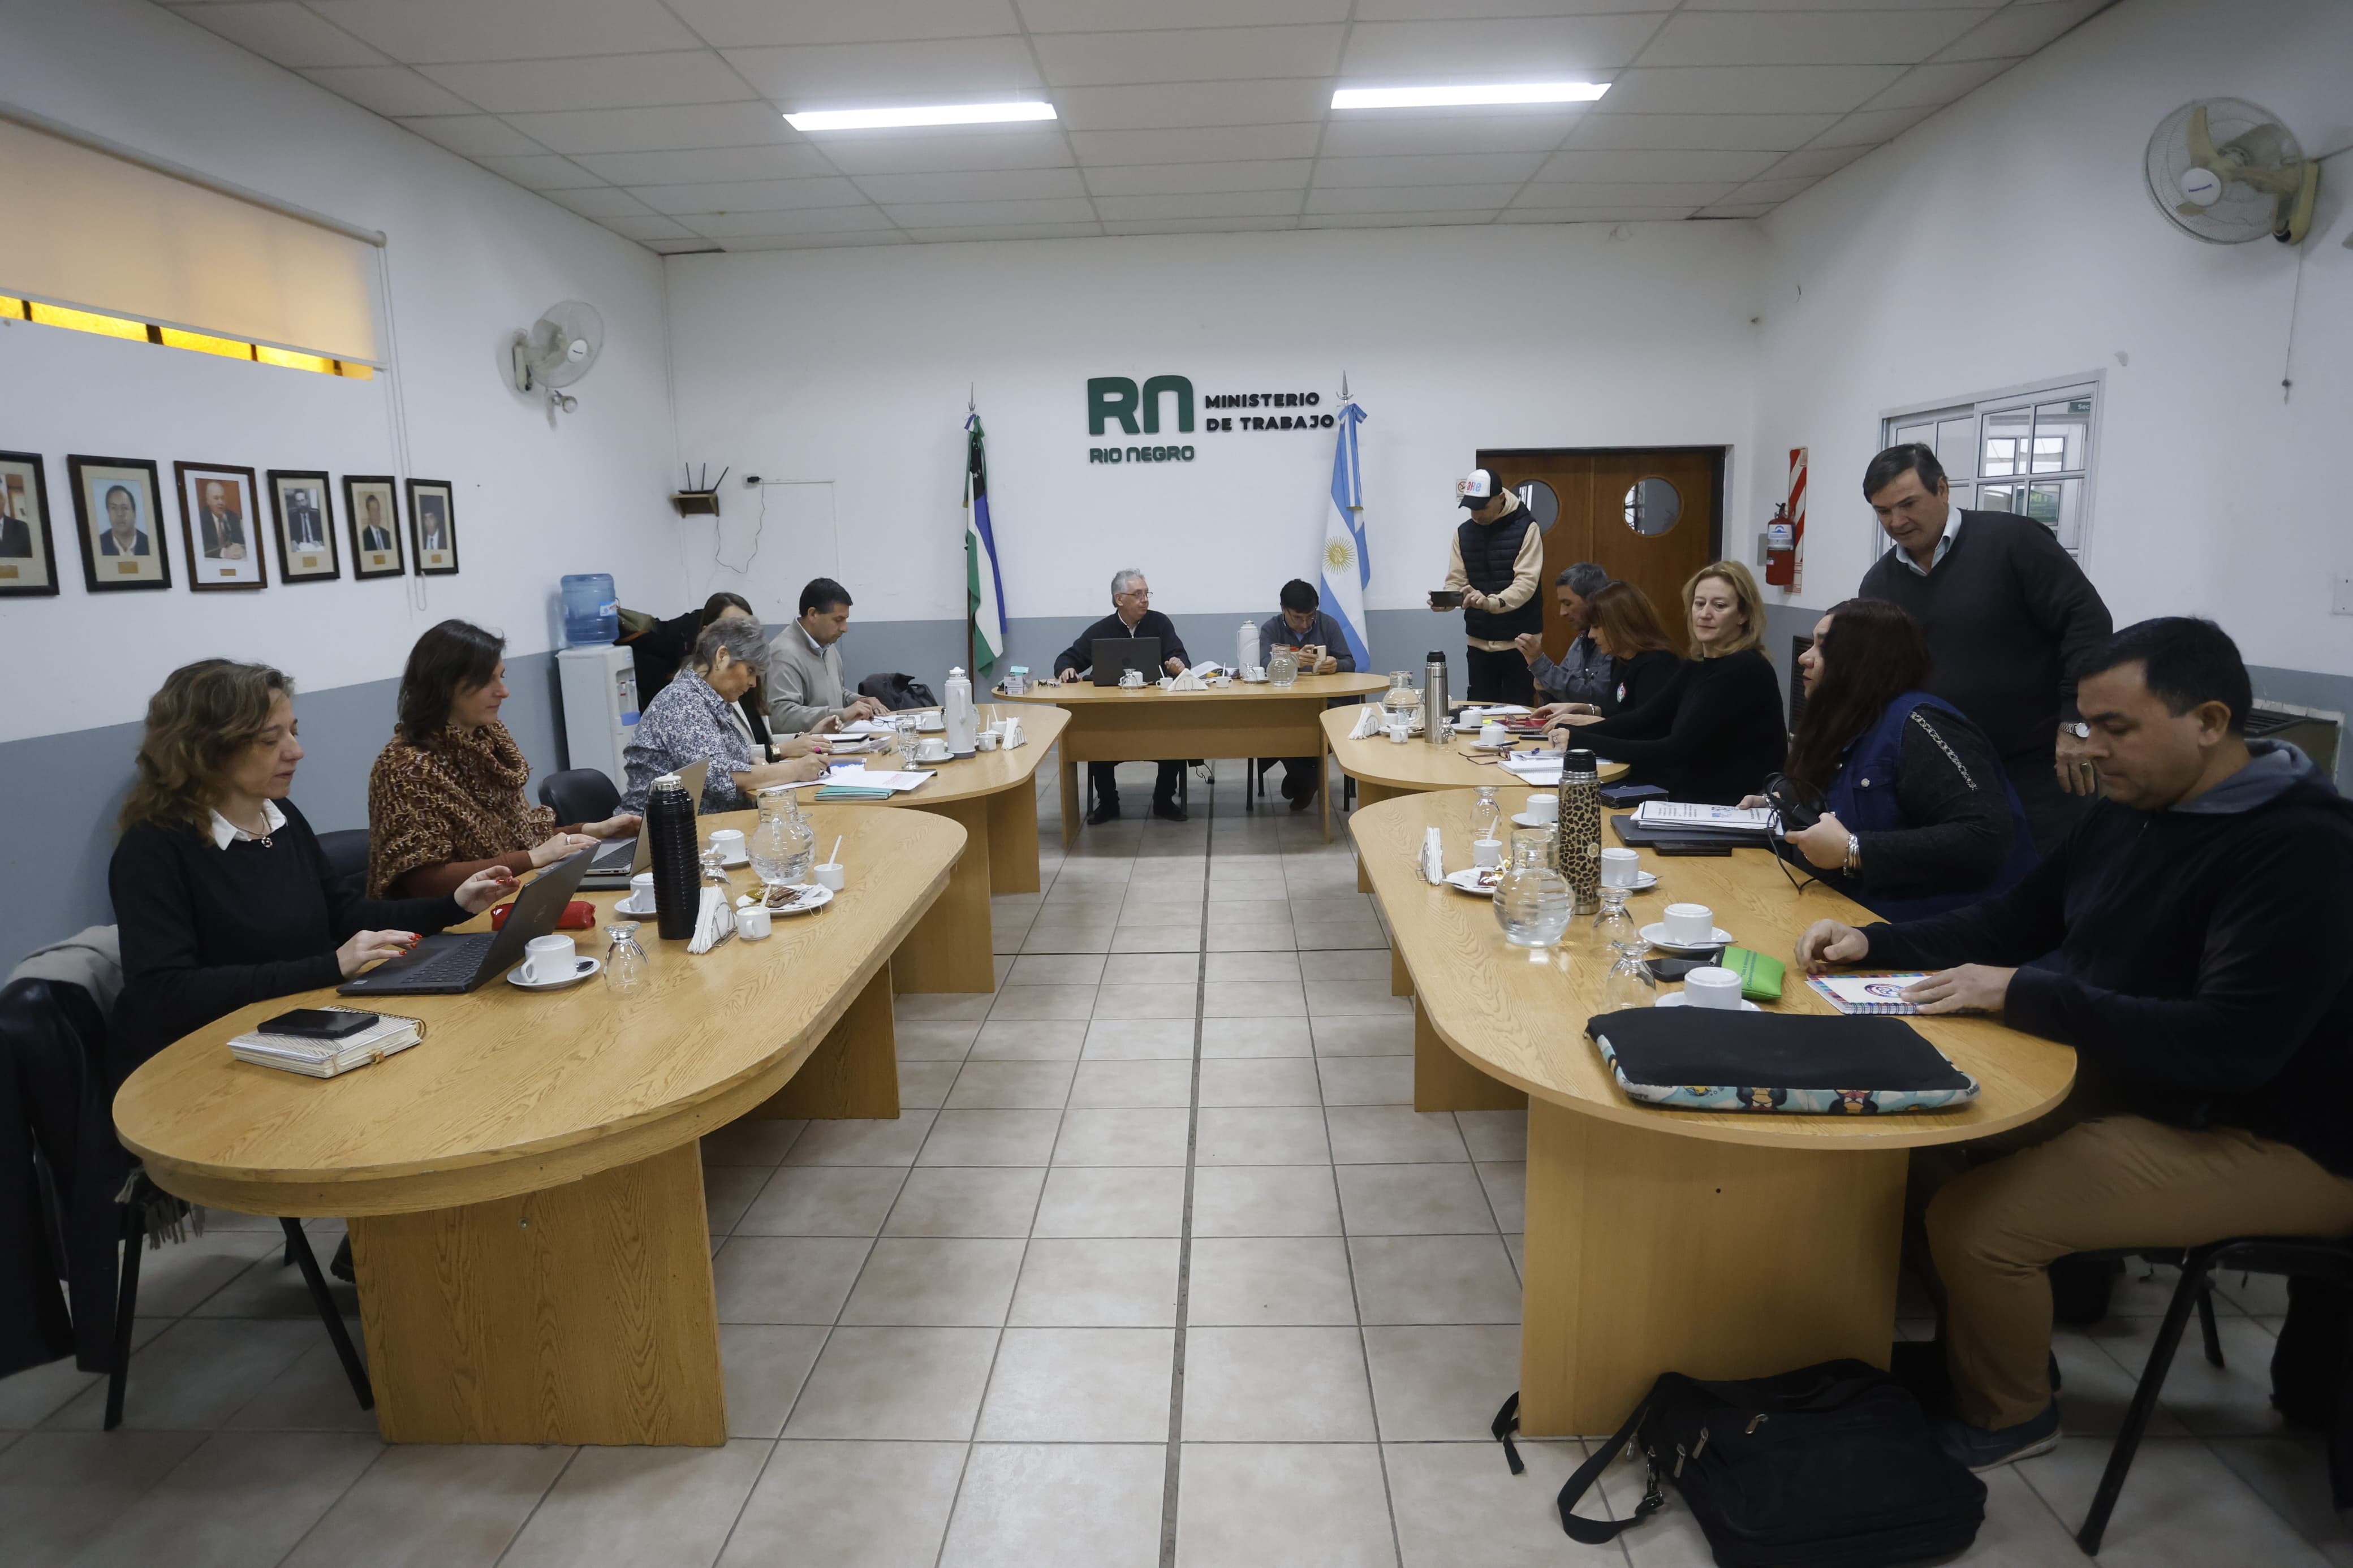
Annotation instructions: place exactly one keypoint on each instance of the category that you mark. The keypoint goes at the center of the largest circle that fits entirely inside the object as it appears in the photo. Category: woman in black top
(1917, 817)
(221, 892)
(664, 648)
(1722, 736)
(1644, 668)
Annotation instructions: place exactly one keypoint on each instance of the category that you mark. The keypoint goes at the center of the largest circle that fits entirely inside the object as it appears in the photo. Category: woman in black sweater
(1645, 669)
(1718, 735)
(221, 892)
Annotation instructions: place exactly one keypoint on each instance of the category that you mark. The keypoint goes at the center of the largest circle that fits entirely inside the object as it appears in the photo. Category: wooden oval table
(524, 1186)
(1145, 724)
(1719, 1246)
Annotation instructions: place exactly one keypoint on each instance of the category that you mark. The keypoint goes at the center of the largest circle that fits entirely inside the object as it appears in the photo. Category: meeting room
(1366, 784)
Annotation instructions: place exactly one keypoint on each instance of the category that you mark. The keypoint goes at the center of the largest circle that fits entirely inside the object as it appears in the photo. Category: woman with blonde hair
(1725, 735)
(221, 892)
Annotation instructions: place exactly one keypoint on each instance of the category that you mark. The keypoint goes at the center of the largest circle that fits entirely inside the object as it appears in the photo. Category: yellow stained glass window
(227, 348)
(89, 321)
(178, 338)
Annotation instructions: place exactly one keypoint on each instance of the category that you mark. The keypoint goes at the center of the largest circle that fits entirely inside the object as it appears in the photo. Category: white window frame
(1976, 408)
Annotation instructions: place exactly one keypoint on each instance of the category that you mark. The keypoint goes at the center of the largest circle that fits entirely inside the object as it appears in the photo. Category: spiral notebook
(1865, 993)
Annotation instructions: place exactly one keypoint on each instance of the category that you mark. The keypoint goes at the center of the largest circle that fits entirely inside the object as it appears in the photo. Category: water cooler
(600, 707)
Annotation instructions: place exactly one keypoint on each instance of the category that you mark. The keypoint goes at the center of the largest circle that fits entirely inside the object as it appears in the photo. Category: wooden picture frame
(28, 550)
(433, 528)
(220, 527)
(376, 549)
(145, 559)
(302, 515)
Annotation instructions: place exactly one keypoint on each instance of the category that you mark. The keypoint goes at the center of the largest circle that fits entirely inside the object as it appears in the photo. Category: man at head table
(1322, 647)
(804, 671)
(1131, 615)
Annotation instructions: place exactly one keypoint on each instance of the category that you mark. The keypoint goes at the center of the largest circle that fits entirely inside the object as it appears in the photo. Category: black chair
(580, 794)
(346, 849)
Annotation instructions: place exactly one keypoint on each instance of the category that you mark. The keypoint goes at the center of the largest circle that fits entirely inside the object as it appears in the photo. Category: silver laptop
(623, 858)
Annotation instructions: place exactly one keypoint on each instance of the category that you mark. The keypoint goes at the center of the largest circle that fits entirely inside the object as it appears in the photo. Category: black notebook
(1694, 1059)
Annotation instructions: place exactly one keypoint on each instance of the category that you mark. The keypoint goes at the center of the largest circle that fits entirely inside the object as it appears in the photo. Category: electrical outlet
(2342, 603)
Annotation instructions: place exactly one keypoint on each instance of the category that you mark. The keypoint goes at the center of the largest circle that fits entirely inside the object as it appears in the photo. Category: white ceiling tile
(389, 89)
(707, 165)
(1808, 38)
(1933, 87)
(943, 214)
(2021, 29)
(1091, 15)
(1748, 90)
(1194, 54)
(649, 227)
(746, 124)
(919, 152)
(1736, 209)
(696, 246)
(973, 185)
(1699, 133)
(749, 196)
(1201, 103)
(1411, 199)
(1871, 128)
(1769, 190)
(1369, 133)
(603, 82)
(423, 32)
(1196, 144)
(1614, 193)
(474, 135)
(1202, 204)
(1432, 219)
(930, 71)
(1519, 49)
(1817, 5)
(284, 34)
(1163, 179)
(1595, 214)
(540, 172)
(1198, 225)
(731, 227)
(1459, 10)
(816, 241)
(1589, 164)
(1436, 169)
(743, 23)
(1814, 164)
(1072, 230)
(600, 202)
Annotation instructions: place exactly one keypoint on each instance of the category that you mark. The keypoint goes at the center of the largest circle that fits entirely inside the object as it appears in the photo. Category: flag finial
(1344, 386)
(971, 397)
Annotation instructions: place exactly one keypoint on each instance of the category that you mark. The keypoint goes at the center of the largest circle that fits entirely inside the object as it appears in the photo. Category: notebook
(1682, 817)
(872, 783)
(327, 1058)
(1851, 994)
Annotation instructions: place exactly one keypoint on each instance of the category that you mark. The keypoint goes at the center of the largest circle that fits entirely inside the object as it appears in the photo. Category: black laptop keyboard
(453, 964)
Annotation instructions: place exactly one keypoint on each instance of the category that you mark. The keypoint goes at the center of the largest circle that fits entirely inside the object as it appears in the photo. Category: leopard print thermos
(1577, 841)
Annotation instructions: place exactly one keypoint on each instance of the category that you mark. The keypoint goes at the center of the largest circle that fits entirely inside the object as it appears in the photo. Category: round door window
(1542, 504)
(1652, 506)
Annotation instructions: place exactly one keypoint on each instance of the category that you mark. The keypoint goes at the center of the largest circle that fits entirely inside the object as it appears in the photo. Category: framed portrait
(432, 526)
(305, 520)
(123, 545)
(220, 527)
(372, 512)
(28, 556)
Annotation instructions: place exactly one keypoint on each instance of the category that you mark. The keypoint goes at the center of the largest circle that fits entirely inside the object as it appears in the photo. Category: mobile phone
(317, 1023)
(1671, 969)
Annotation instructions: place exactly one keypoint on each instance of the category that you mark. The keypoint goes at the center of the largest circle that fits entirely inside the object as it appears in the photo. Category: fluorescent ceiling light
(932, 114)
(1502, 92)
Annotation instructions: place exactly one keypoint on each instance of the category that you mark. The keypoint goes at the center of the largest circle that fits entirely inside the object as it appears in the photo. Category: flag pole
(971, 408)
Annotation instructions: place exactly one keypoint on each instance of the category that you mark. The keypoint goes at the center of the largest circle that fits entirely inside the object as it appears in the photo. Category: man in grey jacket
(804, 677)
(1583, 673)
(1302, 624)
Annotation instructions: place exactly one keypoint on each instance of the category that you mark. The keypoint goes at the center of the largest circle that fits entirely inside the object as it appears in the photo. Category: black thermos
(677, 863)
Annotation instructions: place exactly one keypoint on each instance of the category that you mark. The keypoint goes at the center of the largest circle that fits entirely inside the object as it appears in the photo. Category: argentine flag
(1345, 568)
(983, 587)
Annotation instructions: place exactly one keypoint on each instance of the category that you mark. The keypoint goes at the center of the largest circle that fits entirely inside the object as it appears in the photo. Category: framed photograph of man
(28, 557)
(121, 528)
(433, 526)
(220, 527)
(306, 526)
(372, 512)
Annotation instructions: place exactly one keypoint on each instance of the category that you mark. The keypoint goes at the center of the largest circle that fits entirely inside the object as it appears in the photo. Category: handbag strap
(1586, 1531)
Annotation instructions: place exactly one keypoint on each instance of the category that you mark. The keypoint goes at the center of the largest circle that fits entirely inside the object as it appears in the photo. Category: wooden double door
(1674, 495)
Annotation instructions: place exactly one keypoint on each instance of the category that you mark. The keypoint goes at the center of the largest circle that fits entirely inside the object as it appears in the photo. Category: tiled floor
(1179, 1128)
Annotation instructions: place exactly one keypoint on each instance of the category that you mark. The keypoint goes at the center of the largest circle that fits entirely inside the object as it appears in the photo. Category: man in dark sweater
(1131, 615)
(1497, 563)
(2008, 614)
(2204, 913)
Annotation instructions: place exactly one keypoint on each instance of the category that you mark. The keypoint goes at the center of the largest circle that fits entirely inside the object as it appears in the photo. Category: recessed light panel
(1497, 92)
(933, 114)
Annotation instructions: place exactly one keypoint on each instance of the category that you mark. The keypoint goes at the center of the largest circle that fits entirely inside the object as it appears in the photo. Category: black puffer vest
(1490, 549)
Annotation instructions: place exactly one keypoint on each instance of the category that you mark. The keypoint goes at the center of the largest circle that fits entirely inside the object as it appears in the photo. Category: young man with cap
(1497, 560)
(1302, 624)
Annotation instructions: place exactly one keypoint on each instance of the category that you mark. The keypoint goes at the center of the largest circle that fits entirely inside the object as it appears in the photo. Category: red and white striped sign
(1798, 516)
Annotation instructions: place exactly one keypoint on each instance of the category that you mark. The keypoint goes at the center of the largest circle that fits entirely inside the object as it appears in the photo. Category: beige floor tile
(1123, 1137)
(1263, 966)
(935, 1282)
(1246, 1505)
(1265, 1200)
(1260, 1080)
(916, 1385)
(1393, 1134)
(1164, 999)
(1458, 1506)
(824, 1200)
(632, 1507)
(1366, 1080)
(1078, 1385)
(926, 1006)
(946, 1200)
(1346, 964)
(727, 1192)
(426, 1503)
(1495, 1134)
(1030, 1040)
(849, 1505)
(752, 1140)
(1140, 1039)
(2182, 1505)
(240, 1498)
(1441, 1383)
(1284, 1282)
(30, 1397)
(1044, 1002)
(1362, 1034)
(2291, 1475)
(1238, 935)
(764, 1365)
(924, 1086)
(1152, 969)
(1260, 1135)
(1251, 999)
(58, 1490)
(1057, 969)
(1243, 1037)
(786, 1278)
(1101, 1282)
(1052, 935)
(2096, 1390)
(1112, 1201)
(862, 1142)
(921, 1040)
(1155, 938)
(2233, 1400)
(1506, 1182)
(314, 1395)
(1414, 1200)
(1355, 998)
(195, 1374)
(1275, 1386)
(1145, 1085)
(1011, 1085)
(1434, 1279)
(1058, 1506)
(1012, 1136)
(1349, 934)
(183, 1274)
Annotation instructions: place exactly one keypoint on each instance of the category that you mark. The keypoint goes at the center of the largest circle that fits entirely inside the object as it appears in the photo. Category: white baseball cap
(1479, 488)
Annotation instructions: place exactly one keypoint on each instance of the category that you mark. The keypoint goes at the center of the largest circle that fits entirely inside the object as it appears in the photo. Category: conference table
(524, 1185)
(1716, 1245)
(1148, 724)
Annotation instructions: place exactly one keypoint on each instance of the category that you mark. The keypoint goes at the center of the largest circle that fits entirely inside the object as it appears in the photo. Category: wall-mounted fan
(557, 351)
(2227, 172)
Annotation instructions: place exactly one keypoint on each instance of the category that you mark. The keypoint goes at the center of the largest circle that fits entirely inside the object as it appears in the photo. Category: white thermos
(962, 719)
(1246, 650)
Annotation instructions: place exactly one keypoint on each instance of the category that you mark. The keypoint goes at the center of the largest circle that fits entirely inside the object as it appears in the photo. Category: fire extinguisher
(1780, 549)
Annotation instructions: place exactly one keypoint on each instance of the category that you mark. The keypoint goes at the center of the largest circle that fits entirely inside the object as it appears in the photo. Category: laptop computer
(619, 859)
(1115, 655)
(451, 964)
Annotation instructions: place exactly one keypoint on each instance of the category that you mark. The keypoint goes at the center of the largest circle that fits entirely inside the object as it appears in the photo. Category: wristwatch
(2080, 730)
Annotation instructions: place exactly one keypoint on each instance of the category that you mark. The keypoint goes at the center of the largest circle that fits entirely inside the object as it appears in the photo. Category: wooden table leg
(1072, 814)
(1013, 839)
(1444, 1081)
(1400, 981)
(1649, 1252)
(1323, 786)
(1370, 794)
(580, 1314)
(854, 1071)
(950, 948)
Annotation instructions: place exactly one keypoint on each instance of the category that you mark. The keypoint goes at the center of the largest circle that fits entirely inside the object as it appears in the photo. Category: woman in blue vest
(1918, 817)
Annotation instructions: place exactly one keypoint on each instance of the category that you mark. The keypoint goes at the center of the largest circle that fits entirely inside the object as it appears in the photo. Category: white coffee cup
(985, 741)
(729, 842)
(1690, 925)
(1711, 987)
(1487, 852)
(1621, 868)
(641, 892)
(1544, 805)
(828, 875)
(752, 925)
(1397, 730)
(547, 959)
(1492, 733)
(932, 749)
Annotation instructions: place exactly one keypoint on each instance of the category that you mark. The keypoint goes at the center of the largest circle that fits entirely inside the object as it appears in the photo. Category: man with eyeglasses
(1132, 617)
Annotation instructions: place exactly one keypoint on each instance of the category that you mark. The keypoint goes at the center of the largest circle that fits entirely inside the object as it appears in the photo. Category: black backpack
(1831, 1466)
(895, 691)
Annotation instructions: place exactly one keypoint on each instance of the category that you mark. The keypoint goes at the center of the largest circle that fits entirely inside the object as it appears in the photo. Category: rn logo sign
(1137, 410)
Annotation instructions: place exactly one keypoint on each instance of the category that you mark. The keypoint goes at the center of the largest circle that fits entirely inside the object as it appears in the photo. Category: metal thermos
(677, 861)
(1436, 720)
(1578, 839)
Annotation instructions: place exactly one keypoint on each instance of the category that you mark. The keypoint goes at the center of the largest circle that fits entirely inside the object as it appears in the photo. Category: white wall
(853, 366)
(2011, 238)
(472, 258)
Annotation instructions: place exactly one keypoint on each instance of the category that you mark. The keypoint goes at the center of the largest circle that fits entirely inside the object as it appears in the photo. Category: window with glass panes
(2026, 452)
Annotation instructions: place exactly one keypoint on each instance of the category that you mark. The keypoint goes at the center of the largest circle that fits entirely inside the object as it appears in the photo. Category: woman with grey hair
(696, 720)
(1583, 673)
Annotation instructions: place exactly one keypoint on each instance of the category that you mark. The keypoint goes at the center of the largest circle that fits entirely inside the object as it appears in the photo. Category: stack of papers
(871, 784)
(1537, 769)
(1865, 993)
(325, 1058)
(868, 727)
(1685, 817)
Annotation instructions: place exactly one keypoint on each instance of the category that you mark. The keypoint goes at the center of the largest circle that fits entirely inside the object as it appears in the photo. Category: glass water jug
(1533, 903)
(1283, 667)
(1403, 697)
(784, 844)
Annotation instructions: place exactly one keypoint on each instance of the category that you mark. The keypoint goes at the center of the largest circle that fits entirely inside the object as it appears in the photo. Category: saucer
(930, 724)
(583, 966)
(1656, 935)
(738, 863)
(1643, 882)
(1467, 880)
(1676, 999)
(624, 907)
(1530, 819)
(805, 898)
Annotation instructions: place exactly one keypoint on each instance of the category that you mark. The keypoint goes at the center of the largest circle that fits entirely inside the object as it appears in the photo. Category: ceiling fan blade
(2190, 209)
(2202, 139)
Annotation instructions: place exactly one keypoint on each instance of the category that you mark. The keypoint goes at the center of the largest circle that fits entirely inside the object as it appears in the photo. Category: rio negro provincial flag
(1345, 569)
(983, 586)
